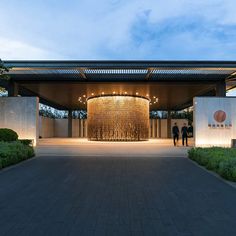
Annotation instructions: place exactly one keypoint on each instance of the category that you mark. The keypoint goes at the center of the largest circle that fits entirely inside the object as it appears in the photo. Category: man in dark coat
(190, 131)
(184, 132)
(175, 132)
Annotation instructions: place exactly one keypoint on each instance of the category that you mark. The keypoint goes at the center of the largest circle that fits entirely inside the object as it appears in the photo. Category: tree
(3, 75)
(51, 112)
(3, 70)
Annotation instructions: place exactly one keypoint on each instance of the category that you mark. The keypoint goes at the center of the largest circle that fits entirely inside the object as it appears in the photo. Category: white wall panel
(21, 115)
(209, 131)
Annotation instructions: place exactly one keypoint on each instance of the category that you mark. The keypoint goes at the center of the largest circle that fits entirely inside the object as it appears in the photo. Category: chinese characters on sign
(219, 119)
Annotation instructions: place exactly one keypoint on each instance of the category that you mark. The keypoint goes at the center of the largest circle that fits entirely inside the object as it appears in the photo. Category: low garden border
(12, 150)
(220, 160)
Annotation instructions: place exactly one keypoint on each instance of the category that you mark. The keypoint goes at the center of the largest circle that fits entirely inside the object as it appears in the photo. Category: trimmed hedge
(28, 142)
(8, 135)
(14, 152)
(219, 160)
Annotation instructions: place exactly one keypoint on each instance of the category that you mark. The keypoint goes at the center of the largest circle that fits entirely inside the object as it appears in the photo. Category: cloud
(118, 29)
(19, 50)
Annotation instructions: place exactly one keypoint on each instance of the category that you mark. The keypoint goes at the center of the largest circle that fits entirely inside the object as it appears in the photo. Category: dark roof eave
(120, 63)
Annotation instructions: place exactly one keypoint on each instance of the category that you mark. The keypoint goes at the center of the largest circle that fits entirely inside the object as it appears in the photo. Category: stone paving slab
(85, 148)
(113, 195)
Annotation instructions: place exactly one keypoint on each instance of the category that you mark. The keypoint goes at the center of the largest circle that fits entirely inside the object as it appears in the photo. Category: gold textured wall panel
(118, 118)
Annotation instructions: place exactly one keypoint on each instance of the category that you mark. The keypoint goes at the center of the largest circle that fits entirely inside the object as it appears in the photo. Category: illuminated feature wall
(118, 118)
(20, 114)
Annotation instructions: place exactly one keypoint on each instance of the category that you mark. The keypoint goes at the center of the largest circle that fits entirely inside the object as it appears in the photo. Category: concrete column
(81, 128)
(150, 128)
(153, 128)
(159, 128)
(13, 89)
(85, 128)
(70, 123)
(221, 89)
(169, 124)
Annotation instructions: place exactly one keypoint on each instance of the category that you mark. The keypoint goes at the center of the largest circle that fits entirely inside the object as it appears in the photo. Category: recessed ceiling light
(84, 95)
(154, 97)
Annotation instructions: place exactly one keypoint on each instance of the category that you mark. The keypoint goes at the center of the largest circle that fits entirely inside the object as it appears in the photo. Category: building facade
(117, 95)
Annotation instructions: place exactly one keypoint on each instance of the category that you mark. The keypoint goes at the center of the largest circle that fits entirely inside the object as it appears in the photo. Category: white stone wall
(59, 127)
(46, 127)
(49, 128)
(208, 131)
(21, 115)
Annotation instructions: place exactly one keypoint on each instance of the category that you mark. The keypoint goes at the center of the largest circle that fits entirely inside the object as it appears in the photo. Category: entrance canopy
(170, 85)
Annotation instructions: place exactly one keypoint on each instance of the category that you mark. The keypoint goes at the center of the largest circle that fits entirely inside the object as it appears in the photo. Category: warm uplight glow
(21, 115)
(147, 95)
(92, 94)
(130, 122)
(136, 93)
(154, 97)
(102, 93)
(84, 95)
(114, 92)
(125, 92)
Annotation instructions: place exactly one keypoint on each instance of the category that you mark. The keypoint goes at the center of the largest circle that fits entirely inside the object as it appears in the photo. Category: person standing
(184, 132)
(175, 132)
(190, 131)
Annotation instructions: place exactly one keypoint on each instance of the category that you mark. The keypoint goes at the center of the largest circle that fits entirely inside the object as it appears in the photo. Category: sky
(118, 29)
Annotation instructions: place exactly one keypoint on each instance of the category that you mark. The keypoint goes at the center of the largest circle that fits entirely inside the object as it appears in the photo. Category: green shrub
(28, 142)
(8, 135)
(220, 160)
(227, 169)
(14, 152)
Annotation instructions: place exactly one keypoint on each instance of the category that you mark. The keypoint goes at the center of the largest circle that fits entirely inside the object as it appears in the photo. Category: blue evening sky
(118, 29)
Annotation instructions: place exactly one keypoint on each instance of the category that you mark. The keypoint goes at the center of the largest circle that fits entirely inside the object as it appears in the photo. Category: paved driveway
(114, 195)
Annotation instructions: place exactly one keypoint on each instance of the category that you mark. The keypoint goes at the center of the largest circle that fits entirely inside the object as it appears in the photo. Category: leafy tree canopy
(3, 75)
(3, 70)
(50, 112)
